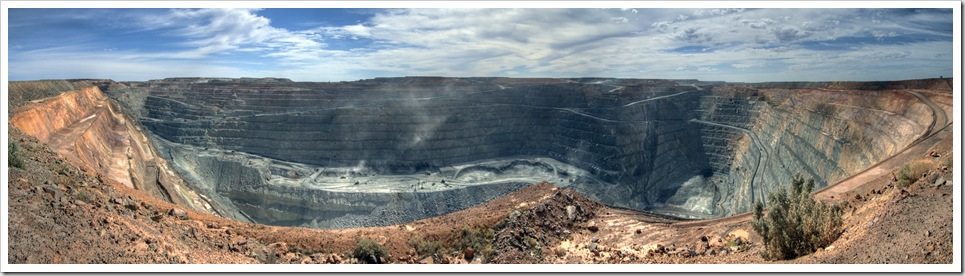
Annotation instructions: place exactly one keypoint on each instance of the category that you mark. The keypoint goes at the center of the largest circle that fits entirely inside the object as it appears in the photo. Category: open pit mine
(393, 150)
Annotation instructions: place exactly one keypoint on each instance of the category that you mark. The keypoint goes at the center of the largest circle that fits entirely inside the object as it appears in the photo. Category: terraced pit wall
(827, 134)
(385, 151)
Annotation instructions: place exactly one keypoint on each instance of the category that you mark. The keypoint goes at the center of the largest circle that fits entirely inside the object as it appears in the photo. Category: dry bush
(426, 248)
(795, 224)
(911, 172)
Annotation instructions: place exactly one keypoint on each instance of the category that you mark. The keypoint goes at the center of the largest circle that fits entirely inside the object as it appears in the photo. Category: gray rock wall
(644, 144)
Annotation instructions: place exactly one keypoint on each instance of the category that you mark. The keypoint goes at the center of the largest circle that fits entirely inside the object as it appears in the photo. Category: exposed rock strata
(647, 144)
(92, 132)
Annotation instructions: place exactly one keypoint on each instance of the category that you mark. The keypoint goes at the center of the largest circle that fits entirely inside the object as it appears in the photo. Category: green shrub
(795, 224)
(13, 157)
(426, 248)
(911, 172)
(369, 251)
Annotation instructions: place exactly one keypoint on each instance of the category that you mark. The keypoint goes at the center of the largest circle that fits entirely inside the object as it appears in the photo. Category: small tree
(795, 224)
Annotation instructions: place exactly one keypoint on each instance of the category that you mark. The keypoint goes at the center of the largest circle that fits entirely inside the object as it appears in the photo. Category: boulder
(53, 191)
(684, 252)
(932, 177)
(571, 212)
(335, 259)
(700, 250)
(178, 213)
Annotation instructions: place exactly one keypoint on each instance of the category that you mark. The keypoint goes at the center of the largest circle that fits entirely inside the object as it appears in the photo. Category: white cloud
(218, 31)
(748, 64)
(741, 45)
(693, 35)
(487, 41)
(788, 34)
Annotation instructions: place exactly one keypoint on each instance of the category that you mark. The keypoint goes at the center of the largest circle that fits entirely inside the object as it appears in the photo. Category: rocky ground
(61, 214)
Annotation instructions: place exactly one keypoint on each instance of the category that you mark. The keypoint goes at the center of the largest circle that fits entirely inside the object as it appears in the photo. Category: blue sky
(348, 44)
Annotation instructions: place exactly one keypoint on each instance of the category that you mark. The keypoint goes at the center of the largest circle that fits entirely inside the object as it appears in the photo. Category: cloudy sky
(349, 44)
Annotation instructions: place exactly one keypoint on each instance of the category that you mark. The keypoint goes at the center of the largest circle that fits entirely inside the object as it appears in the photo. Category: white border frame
(956, 266)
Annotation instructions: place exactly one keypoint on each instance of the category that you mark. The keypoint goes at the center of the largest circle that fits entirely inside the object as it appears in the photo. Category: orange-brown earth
(90, 131)
(62, 209)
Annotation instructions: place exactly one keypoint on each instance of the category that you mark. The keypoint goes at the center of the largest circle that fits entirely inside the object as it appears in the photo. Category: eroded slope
(92, 132)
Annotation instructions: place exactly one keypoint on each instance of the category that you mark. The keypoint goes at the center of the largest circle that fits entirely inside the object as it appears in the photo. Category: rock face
(384, 151)
(92, 132)
(758, 141)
